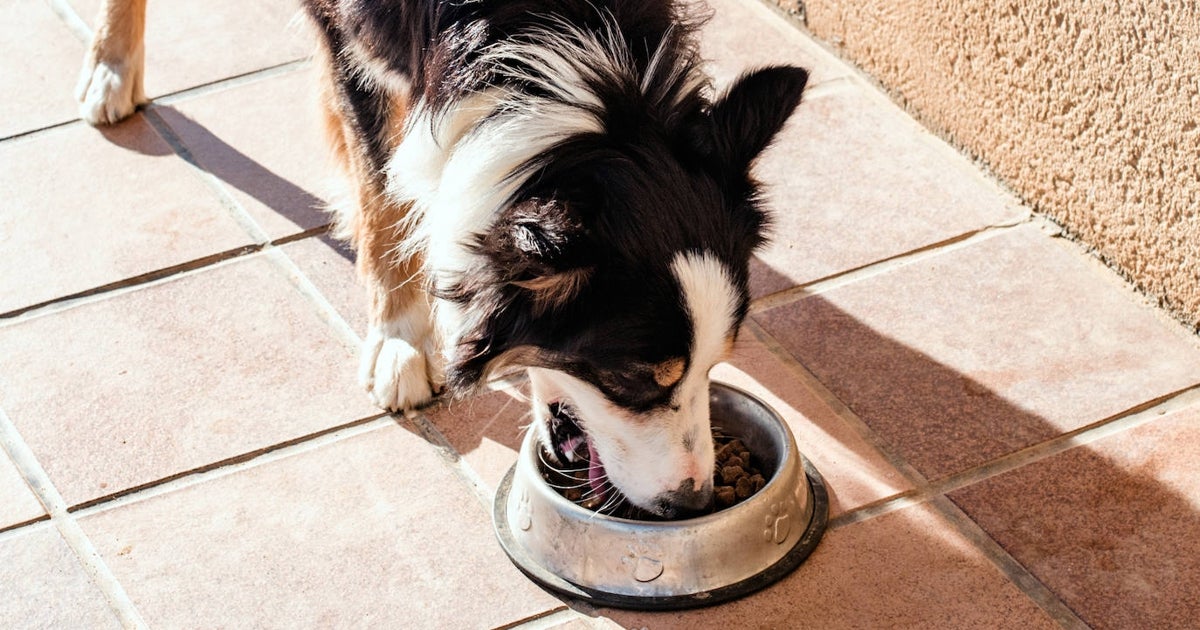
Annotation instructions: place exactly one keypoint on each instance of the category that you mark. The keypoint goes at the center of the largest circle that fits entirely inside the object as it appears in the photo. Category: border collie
(548, 185)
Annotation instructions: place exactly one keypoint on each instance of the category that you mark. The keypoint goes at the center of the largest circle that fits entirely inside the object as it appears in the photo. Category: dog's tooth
(571, 449)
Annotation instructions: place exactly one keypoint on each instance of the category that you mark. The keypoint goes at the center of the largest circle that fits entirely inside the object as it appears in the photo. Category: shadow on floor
(202, 148)
(1123, 555)
(1117, 546)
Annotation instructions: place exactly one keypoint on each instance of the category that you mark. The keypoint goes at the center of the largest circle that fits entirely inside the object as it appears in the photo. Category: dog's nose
(686, 499)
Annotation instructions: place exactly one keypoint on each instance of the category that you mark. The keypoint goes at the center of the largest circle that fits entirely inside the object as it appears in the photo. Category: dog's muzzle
(684, 501)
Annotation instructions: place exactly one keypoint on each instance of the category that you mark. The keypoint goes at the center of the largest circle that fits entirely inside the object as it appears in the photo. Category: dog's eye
(639, 387)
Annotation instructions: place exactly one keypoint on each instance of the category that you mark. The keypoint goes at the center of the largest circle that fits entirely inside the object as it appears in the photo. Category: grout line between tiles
(452, 457)
(232, 81)
(923, 492)
(151, 277)
(543, 620)
(257, 233)
(1010, 567)
(33, 134)
(1117, 423)
(883, 266)
(171, 98)
(310, 291)
(10, 533)
(67, 526)
(238, 213)
(320, 230)
(229, 466)
(880, 507)
(89, 297)
(847, 415)
(23, 524)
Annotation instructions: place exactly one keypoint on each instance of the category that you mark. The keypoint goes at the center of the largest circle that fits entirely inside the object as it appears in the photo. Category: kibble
(738, 479)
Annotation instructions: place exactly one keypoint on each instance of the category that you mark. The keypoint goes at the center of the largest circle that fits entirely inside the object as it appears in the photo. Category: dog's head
(619, 277)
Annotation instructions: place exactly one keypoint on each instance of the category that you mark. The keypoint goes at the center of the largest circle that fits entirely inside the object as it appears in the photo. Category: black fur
(668, 174)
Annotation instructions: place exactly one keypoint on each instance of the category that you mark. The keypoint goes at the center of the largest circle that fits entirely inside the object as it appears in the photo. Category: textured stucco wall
(1087, 108)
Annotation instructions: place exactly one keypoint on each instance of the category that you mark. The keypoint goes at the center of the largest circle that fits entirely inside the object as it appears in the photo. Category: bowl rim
(805, 544)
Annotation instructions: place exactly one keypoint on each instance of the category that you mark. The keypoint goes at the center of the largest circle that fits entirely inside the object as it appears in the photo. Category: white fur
(459, 167)
(376, 71)
(645, 456)
(108, 92)
(712, 303)
(400, 365)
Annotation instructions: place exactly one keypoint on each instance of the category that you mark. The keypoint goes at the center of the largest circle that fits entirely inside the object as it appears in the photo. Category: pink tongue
(595, 471)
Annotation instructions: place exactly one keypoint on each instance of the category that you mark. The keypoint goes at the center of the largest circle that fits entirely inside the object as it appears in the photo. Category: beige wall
(1087, 108)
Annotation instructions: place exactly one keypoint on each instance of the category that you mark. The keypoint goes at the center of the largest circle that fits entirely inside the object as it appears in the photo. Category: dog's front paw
(396, 374)
(108, 92)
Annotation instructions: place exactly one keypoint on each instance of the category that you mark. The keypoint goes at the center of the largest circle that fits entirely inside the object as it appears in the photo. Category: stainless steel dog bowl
(670, 564)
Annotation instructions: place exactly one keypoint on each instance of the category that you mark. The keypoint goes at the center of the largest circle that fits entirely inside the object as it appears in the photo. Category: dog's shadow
(196, 144)
(946, 423)
(917, 410)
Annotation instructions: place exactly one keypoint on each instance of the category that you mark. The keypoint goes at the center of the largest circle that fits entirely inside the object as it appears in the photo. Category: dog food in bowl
(736, 478)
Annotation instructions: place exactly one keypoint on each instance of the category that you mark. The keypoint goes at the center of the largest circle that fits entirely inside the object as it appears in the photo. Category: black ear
(753, 111)
(541, 247)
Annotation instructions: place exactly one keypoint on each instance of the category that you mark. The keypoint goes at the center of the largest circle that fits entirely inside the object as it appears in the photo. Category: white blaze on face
(647, 455)
(711, 302)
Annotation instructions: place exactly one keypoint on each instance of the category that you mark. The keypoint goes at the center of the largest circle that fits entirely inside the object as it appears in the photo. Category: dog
(538, 185)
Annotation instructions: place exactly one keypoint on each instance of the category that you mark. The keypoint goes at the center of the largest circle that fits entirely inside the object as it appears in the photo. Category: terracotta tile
(193, 43)
(855, 472)
(841, 199)
(1110, 527)
(745, 35)
(39, 62)
(373, 530)
(981, 351)
(86, 207)
(487, 430)
(908, 569)
(585, 623)
(44, 586)
(264, 141)
(17, 503)
(329, 264)
(140, 386)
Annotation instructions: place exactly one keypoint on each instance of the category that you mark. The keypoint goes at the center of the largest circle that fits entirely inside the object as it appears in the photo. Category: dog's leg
(401, 363)
(110, 84)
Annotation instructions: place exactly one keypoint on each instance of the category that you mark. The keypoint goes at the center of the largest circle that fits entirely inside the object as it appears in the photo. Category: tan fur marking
(668, 372)
(552, 291)
(373, 223)
(110, 83)
(120, 27)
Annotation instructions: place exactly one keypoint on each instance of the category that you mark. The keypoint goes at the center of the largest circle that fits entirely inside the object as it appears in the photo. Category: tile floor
(1008, 432)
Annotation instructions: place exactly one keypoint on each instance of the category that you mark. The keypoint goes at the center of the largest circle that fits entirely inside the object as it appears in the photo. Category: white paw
(396, 375)
(109, 92)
